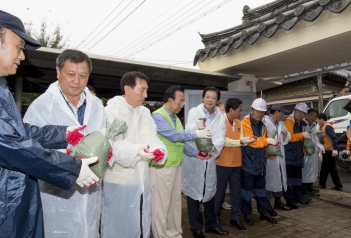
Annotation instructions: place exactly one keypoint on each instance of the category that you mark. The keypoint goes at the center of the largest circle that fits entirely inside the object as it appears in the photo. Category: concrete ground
(328, 216)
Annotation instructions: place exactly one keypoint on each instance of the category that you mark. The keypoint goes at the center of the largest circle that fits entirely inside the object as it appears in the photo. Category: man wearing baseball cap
(23, 159)
(294, 156)
(253, 167)
(276, 171)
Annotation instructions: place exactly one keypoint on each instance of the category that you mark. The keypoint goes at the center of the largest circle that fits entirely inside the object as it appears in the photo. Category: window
(335, 109)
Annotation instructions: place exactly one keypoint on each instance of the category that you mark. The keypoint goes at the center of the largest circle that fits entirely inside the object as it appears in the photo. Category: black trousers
(329, 166)
(233, 176)
(195, 217)
(253, 185)
(294, 182)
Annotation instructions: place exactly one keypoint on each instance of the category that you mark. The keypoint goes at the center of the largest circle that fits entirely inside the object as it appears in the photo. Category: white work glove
(86, 177)
(203, 134)
(143, 152)
(73, 134)
(247, 140)
(272, 141)
(200, 124)
(321, 149)
(348, 153)
(306, 135)
(335, 153)
(62, 151)
(213, 148)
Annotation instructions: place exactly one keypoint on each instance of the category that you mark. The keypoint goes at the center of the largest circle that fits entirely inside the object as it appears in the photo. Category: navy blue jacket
(23, 160)
(294, 150)
(254, 159)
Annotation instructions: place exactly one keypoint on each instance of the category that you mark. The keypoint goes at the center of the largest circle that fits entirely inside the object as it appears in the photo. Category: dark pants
(276, 195)
(233, 175)
(329, 166)
(253, 184)
(195, 217)
(294, 182)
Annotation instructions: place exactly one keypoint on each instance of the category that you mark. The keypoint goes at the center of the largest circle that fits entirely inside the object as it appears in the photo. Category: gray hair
(74, 56)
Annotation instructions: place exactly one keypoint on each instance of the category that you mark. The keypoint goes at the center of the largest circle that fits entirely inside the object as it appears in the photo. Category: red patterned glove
(110, 154)
(159, 154)
(73, 136)
(202, 155)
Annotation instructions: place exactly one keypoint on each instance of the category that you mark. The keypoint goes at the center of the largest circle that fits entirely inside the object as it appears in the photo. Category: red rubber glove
(110, 154)
(73, 136)
(159, 154)
(202, 155)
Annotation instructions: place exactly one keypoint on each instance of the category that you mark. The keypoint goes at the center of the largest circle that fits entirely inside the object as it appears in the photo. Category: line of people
(152, 163)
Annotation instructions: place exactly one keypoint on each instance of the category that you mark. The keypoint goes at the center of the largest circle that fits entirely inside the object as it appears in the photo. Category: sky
(157, 31)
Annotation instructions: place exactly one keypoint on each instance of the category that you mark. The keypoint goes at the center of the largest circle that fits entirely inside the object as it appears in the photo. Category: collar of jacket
(3, 82)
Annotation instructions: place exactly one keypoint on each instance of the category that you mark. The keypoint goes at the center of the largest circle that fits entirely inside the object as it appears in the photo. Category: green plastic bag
(96, 144)
(204, 144)
(320, 138)
(308, 146)
(272, 150)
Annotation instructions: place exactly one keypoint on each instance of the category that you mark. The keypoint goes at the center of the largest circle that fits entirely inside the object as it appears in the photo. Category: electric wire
(107, 26)
(99, 24)
(147, 45)
(125, 52)
(150, 31)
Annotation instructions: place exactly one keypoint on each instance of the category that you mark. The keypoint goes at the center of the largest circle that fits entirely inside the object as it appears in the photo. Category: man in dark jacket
(253, 169)
(23, 159)
(294, 156)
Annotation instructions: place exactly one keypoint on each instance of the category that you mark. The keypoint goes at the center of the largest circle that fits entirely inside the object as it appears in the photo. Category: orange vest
(328, 143)
(231, 156)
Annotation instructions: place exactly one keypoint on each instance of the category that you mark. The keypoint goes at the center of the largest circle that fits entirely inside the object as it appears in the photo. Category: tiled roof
(265, 21)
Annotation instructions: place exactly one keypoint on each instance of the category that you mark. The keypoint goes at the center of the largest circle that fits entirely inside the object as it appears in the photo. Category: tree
(45, 38)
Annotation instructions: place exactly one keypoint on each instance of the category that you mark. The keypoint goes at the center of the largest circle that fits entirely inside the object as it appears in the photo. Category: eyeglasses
(180, 102)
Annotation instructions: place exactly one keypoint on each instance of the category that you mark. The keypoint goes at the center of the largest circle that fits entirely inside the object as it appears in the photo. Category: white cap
(259, 104)
(302, 107)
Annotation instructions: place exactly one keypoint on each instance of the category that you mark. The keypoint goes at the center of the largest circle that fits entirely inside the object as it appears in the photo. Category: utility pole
(320, 92)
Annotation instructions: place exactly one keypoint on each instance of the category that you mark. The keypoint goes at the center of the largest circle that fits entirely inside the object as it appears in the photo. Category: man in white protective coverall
(275, 167)
(28, 152)
(126, 208)
(310, 169)
(74, 212)
(199, 170)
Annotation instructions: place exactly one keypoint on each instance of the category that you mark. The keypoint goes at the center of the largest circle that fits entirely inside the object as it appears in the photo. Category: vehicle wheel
(342, 160)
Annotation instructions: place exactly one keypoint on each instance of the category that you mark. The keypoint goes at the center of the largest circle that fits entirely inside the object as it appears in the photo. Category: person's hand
(201, 124)
(203, 134)
(202, 155)
(348, 153)
(86, 177)
(73, 134)
(321, 149)
(306, 135)
(335, 153)
(65, 151)
(285, 133)
(272, 141)
(247, 140)
(144, 152)
(109, 155)
(213, 148)
(158, 155)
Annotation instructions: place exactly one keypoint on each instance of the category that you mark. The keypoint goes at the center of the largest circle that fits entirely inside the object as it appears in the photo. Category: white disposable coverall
(74, 212)
(127, 192)
(311, 167)
(276, 168)
(193, 167)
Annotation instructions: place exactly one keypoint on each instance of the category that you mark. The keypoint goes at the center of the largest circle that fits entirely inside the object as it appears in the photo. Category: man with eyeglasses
(166, 179)
(253, 167)
(294, 156)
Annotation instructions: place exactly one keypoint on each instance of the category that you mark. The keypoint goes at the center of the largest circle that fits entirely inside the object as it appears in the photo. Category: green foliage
(28, 98)
(45, 37)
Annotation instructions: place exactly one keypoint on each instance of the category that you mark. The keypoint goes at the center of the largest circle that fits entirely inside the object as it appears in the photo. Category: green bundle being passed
(272, 150)
(95, 144)
(204, 144)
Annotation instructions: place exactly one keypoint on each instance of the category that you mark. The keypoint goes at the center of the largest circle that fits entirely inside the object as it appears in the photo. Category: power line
(147, 45)
(149, 32)
(107, 25)
(141, 39)
(100, 24)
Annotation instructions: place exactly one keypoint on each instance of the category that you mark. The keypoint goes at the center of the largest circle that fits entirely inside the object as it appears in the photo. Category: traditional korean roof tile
(265, 21)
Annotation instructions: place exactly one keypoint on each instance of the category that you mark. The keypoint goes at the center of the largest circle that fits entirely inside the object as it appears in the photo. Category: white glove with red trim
(272, 141)
(86, 177)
